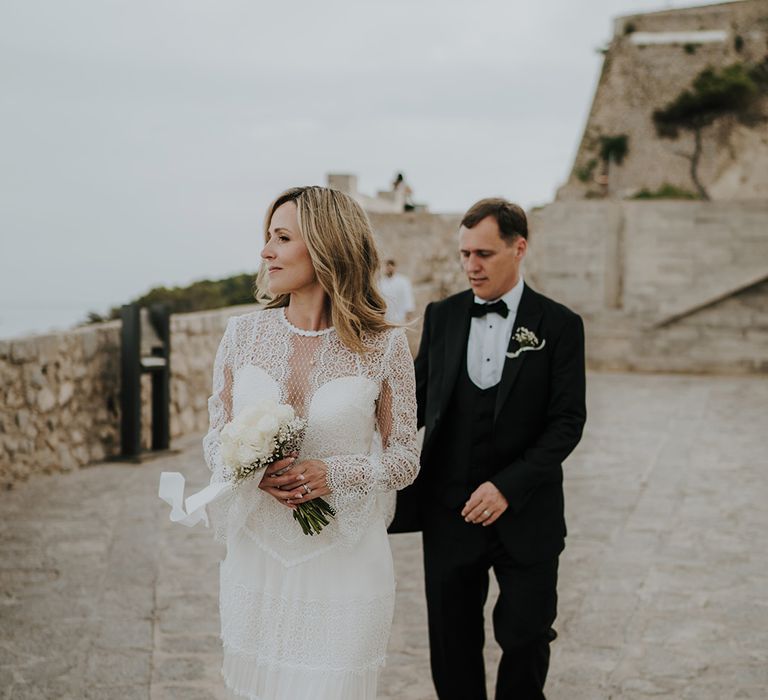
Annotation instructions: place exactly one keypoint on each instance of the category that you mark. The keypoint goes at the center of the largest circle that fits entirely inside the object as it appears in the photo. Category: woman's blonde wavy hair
(340, 242)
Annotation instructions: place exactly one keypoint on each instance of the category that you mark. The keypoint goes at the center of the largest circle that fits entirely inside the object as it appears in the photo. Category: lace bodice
(361, 421)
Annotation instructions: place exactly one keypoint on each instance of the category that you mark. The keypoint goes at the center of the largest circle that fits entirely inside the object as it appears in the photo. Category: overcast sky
(141, 141)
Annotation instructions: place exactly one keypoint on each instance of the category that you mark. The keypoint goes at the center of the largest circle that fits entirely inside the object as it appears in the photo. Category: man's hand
(485, 505)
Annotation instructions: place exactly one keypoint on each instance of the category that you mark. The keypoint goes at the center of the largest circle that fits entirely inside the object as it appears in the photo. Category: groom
(500, 388)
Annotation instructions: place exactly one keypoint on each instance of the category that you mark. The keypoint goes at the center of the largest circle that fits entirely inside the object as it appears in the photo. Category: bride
(308, 617)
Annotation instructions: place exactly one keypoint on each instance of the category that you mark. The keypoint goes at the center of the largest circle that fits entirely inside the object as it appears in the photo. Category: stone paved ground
(663, 585)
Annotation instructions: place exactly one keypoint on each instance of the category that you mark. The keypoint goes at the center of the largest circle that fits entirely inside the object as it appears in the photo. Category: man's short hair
(510, 218)
(389, 261)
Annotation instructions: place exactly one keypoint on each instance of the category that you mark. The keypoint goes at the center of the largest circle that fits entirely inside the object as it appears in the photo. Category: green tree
(712, 95)
(613, 149)
(198, 296)
(202, 295)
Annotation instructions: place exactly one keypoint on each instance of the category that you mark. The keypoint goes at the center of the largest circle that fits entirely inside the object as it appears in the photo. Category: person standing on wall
(500, 386)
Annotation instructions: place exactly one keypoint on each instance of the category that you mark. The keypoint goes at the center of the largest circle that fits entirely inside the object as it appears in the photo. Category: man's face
(492, 264)
(389, 269)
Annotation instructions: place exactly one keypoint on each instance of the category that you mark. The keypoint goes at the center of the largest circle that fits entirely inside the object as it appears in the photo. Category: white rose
(285, 414)
(247, 453)
(228, 432)
(250, 436)
(268, 425)
(261, 445)
(228, 452)
(248, 418)
(230, 439)
(265, 406)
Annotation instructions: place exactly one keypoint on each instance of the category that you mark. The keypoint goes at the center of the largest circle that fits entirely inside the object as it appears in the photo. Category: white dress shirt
(398, 294)
(489, 339)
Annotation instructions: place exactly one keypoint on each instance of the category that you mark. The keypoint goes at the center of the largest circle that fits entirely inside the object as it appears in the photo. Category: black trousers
(457, 559)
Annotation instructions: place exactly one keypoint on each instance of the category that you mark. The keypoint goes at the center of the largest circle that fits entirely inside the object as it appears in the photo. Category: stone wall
(61, 392)
(425, 247)
(194, 340)
(60, 404)
(639, 77)
(663, 286)
(728, 337)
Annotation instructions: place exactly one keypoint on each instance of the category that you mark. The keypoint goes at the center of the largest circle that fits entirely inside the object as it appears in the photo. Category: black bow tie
(498, 307)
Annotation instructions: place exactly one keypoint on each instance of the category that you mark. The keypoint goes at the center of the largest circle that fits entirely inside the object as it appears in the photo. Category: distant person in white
(397, 292)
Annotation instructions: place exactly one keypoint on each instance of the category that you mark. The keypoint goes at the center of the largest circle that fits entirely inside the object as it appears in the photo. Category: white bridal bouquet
(260, 435)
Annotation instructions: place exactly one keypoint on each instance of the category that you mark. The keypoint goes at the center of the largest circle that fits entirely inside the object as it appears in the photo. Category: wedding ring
(487, 513)
(307, 489)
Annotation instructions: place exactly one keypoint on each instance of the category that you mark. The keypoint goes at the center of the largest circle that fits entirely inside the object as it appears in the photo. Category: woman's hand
(306, 481)
(271, 481)
(292, 482)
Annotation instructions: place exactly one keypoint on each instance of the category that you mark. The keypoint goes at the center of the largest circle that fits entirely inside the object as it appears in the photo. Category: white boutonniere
(526, 340)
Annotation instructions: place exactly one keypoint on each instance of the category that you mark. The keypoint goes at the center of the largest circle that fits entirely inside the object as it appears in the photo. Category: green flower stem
(311, 516)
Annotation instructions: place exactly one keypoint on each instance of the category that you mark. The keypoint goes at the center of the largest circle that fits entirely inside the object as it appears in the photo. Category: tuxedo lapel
(528, 316)
(456, 337)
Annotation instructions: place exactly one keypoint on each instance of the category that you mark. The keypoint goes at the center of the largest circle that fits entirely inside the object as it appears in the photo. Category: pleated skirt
(317, 630)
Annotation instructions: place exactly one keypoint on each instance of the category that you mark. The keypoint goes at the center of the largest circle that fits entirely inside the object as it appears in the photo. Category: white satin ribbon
(191, 511)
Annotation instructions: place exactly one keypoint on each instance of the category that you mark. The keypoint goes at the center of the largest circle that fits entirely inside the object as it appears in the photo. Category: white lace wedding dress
(308, 617)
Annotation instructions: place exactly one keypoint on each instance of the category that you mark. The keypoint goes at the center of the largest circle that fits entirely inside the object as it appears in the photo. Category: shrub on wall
(584, 173)
(666, 191)
(614, 148)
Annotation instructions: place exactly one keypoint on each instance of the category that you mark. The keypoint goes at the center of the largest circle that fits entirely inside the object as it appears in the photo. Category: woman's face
(286, 255)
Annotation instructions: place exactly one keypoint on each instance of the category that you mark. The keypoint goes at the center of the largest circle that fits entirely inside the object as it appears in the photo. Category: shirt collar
(511, 298)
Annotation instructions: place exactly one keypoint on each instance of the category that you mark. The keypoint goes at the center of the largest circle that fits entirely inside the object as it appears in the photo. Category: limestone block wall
(60, 401)
(572, 248)
(194, 340)
(673, 251)
(730, 336)
(425, 247)
(663, 286)
(60, 406)
(639, 77)
(61, 392)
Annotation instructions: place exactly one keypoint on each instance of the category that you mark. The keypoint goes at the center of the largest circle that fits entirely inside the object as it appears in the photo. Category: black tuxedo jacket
(538, 419)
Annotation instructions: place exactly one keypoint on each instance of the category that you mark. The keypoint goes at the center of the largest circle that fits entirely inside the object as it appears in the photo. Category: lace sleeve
(352, 477)
(220, 413)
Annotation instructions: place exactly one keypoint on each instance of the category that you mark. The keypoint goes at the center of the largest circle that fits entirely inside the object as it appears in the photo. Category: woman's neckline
(302, 331)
